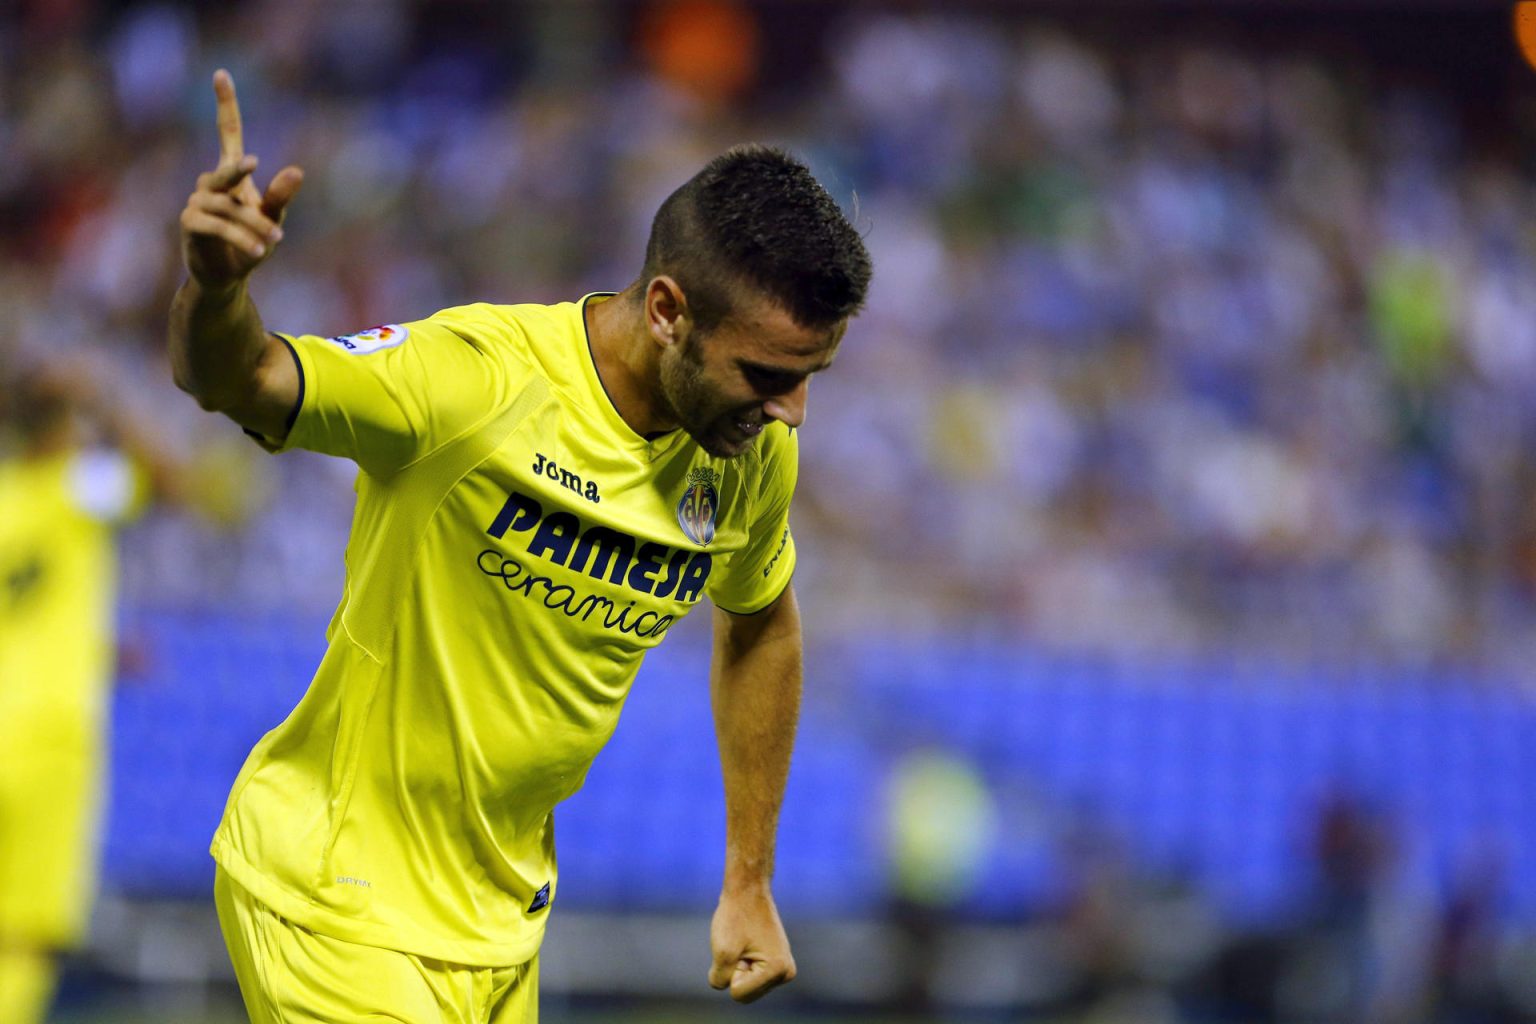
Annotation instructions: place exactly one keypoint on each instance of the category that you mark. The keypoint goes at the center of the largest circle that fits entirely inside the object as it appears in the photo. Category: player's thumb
(281, 190)
(723, 969)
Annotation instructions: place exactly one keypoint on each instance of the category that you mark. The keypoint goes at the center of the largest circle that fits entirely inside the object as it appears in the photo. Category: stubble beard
(686, 394)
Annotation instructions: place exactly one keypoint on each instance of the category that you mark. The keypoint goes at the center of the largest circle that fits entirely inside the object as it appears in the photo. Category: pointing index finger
(231, 141)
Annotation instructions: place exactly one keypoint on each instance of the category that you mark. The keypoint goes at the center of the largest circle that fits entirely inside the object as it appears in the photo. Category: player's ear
(666, 311)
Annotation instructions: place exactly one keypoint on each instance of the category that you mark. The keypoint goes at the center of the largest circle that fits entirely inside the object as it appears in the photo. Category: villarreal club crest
(696, 512)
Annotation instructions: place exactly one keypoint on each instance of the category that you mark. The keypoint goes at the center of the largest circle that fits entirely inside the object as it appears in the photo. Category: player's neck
(627, 361)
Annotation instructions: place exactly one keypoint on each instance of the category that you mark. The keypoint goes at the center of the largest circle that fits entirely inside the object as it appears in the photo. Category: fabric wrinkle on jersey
(515, 551)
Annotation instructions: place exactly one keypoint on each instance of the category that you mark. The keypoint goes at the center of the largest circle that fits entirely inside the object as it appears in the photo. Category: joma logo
(546, 466)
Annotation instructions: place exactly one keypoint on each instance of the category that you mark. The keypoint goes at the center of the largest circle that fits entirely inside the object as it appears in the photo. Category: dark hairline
(713, 282)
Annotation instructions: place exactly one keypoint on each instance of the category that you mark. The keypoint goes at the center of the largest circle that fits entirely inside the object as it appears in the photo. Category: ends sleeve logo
(373, 339)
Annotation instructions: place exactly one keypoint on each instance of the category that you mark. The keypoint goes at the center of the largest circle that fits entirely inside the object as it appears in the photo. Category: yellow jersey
(515, 551)
(58, 587)
(58, 581)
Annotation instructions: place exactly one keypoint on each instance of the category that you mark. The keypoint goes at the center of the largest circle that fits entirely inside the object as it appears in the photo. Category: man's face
(725, 386)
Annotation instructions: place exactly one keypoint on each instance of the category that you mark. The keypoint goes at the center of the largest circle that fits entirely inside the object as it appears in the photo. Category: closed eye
(770, 381)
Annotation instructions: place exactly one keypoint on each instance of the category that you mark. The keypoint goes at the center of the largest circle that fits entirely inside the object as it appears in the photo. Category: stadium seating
(1212, 772)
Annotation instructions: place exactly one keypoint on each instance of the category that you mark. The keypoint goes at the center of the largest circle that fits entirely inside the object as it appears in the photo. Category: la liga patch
(373, 339)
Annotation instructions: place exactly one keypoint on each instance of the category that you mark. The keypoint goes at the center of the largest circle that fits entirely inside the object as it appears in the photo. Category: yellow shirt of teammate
(516, 549)
(57, 601)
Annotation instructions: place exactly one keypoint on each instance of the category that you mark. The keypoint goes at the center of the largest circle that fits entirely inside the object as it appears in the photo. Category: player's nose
(788, 408)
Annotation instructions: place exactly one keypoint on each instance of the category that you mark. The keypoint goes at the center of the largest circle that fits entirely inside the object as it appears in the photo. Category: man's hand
(751, 951)
(219, 349)
(755, 684)
(228, 227)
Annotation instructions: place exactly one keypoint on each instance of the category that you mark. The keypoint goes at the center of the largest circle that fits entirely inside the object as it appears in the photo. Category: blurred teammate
(59, 503)
(543, 491)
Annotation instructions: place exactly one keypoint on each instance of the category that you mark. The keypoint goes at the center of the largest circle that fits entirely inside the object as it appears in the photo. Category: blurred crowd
(1356, 943)
(1170, 348)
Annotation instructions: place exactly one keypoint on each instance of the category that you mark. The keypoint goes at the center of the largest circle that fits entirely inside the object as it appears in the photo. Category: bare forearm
(756, 684)
(216, 343)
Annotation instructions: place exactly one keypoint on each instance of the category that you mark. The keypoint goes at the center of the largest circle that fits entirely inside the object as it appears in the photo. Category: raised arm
(220, 351)
(755, 681)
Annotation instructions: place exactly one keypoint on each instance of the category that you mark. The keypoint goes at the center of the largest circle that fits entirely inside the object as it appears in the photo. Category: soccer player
(60, 501)
(542, 492)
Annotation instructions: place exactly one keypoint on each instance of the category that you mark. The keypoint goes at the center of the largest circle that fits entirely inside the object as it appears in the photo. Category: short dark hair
(755, 215)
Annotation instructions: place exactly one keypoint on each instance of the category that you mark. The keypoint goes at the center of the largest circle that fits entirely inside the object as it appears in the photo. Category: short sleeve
(391, 395)
(757, 575)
